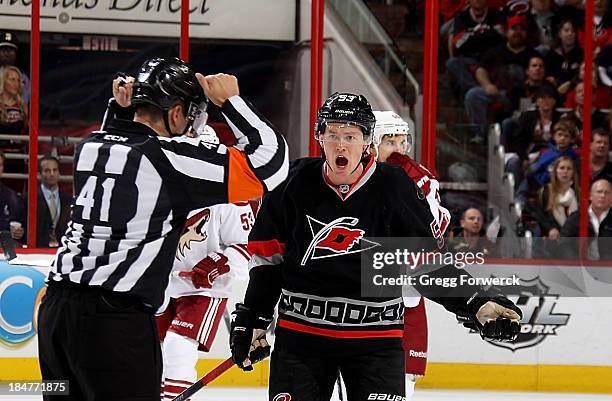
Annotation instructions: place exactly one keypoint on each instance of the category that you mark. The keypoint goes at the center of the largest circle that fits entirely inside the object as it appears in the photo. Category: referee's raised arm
(255, 165)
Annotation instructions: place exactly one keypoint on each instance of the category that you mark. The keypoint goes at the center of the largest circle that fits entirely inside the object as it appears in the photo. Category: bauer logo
(386, 397)
(540, 319)
(21, 289)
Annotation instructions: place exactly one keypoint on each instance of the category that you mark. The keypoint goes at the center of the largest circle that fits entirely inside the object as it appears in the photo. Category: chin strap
(169, 130)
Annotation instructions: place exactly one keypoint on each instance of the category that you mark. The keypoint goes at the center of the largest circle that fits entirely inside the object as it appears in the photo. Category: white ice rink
(259, 394)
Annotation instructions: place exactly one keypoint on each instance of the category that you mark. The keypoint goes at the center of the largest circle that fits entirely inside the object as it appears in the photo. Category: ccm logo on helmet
(282, 397)
(386, 397)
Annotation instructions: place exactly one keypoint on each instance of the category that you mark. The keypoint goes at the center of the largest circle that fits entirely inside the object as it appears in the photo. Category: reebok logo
(417, 354)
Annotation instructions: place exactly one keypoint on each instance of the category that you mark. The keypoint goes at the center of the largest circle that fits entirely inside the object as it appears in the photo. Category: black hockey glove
(500, 317)
(248, 337)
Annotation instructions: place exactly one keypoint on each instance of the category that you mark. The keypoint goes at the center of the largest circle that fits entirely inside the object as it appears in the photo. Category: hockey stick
(182, 274)
(209, 377)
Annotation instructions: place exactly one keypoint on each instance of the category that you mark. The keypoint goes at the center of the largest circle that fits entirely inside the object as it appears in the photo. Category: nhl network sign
(540, 319)
(248, 19)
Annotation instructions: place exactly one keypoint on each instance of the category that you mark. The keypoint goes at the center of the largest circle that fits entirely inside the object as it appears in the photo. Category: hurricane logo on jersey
(194, 231)
(340, 237)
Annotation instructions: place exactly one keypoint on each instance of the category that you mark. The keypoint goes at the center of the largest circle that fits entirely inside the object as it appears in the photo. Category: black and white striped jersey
(134, 189)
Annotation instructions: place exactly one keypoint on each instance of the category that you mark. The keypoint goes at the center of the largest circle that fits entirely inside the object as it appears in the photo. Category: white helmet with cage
(390, 123)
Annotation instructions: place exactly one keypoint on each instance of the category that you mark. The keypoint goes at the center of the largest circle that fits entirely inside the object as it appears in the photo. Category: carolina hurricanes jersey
(312, 235)
(223, 229)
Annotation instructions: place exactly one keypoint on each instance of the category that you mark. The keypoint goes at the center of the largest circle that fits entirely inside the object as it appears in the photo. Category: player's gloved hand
(208, 269)
(248, 337)
(498, 319)
(398, 159)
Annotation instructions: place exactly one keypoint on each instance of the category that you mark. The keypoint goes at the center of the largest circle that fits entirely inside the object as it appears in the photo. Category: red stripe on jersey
(339, 333)
(266, 248)
(241, 249)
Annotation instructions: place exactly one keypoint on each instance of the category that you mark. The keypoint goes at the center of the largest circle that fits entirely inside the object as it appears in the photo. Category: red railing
(316, 68)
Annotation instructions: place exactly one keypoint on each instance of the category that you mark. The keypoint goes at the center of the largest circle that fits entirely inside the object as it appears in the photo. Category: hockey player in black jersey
(306, 246)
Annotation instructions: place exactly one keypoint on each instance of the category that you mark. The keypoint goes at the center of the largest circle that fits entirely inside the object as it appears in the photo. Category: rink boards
(566, 344)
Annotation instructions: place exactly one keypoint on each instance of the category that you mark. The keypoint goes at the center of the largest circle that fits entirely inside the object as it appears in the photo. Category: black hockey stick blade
(209, 377)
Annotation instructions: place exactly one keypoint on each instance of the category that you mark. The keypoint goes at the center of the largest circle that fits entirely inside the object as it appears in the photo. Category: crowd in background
(521, 64)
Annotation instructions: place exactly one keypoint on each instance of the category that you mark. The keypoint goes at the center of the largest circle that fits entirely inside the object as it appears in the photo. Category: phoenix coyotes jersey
(314, 232)
(223, 229)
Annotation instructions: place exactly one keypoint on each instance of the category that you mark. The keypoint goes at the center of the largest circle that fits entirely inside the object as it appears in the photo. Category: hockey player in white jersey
(210, 258)
(391, 143)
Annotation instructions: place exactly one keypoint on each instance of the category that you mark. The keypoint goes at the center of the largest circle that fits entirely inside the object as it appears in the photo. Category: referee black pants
(104, 343)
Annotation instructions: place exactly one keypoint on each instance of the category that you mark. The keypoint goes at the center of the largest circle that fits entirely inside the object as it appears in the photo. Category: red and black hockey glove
(248, 337)
(208, 269)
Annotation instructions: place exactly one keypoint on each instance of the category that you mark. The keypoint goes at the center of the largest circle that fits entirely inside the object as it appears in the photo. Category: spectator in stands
(522, 96)
(565, 133)
(538, 172)
(558, 199)
(602, 21)
(13, 108)
(601, 166)
(602, 94)
(603, 239)
(11, 208)
(53, 205)
(475, 30)
(544, 20)
(604, 65)
(601, 201)
(563, 63)
(598, 118)
(502, 67)
(472, 237)
(532, 134)
(13, 118)
(8, 56)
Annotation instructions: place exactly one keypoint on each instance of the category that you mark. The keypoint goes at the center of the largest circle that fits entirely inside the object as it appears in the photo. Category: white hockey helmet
(390, 123)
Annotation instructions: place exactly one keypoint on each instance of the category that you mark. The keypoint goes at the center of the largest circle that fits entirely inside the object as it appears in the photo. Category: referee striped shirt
(133, 190)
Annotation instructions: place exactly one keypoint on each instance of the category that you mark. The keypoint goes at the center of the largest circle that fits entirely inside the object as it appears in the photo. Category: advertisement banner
(219, 19)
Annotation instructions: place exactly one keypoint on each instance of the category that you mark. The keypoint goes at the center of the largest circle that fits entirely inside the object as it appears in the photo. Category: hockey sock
(180, 357)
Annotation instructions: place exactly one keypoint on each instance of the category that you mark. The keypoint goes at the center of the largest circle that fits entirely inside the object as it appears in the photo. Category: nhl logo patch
(344, 188)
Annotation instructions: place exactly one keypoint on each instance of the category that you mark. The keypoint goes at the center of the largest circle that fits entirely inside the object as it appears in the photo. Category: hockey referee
(135, 181)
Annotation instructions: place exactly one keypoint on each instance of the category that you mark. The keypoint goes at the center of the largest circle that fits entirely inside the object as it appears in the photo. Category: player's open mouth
(341, 161)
